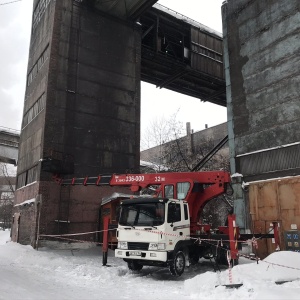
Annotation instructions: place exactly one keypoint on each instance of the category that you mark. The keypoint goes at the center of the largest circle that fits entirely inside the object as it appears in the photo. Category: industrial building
(195, 145)
(82, 104)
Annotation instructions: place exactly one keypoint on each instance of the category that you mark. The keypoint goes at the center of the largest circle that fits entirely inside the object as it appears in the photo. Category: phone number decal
(135, 178)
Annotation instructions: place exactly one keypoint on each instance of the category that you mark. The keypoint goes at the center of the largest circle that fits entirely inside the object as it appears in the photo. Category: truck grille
(138, 246)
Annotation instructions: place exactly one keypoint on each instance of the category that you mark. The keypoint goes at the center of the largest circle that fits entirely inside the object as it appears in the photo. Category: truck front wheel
(134, 265)
(177, 265)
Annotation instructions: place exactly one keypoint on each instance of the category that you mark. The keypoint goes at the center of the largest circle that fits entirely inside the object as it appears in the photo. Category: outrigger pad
(231, 286)
(283, 281)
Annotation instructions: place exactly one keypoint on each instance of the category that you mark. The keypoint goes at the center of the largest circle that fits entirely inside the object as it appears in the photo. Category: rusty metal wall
(274, 200)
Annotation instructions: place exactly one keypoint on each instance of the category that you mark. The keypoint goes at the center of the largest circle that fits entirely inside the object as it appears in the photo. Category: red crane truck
(165, 229)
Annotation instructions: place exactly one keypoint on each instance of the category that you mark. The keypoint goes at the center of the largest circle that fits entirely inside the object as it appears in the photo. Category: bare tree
(219, 161)
(161, 131)
(158, 139)
(7, 189)
(173, 152)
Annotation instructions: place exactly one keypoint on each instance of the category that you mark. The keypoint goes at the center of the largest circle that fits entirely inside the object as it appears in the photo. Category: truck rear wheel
(194, 258)
(134, 265)
(178, 264)
(221, 258)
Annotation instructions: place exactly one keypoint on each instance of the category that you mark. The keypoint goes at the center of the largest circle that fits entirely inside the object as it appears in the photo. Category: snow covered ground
(79, 274)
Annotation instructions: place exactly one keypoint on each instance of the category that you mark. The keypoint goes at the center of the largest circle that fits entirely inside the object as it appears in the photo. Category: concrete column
(238, 195)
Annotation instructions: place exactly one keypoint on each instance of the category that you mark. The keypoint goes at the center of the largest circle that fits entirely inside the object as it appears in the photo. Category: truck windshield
(142, 214)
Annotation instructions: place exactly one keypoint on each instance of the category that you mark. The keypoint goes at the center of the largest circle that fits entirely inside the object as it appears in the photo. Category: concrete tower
(81, 111)
(262, 63)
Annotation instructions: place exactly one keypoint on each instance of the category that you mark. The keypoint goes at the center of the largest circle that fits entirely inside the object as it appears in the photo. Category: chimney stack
(188, 128)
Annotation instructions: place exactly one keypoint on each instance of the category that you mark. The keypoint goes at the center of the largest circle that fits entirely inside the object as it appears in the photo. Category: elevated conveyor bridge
(178, 53)
(9, 143)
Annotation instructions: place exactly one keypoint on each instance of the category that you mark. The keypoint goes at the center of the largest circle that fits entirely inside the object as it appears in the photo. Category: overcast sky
(15, 26)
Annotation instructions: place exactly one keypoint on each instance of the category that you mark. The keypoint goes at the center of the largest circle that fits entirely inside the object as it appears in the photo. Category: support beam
(147, 31)
(139, 9)
(175, 76)
(8, 160)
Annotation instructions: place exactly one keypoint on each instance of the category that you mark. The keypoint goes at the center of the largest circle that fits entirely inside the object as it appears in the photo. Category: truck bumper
(142, 255)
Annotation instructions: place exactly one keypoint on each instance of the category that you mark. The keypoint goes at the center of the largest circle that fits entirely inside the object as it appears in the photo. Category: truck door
(177, 225)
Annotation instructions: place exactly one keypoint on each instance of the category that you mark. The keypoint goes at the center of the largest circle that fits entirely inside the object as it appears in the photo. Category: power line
(10, 2)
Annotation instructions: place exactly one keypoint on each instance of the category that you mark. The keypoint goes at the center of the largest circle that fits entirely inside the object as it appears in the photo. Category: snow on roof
(187, 20)
(272, 179)
(268, 149)
(154, 166)
(25, 186)
(9, 131)
(236, 175)
(115, 196)
(27, 202)
(121, 195)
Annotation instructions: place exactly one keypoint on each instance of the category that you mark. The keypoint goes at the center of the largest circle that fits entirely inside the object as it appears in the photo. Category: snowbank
(260, 281)
(79, 274)
(4, 236)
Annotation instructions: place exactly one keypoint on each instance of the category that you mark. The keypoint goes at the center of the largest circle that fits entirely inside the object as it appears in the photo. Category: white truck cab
(152, 231)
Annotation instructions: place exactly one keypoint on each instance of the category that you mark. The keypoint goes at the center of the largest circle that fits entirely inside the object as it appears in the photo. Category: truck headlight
(122, 245)
(161, 246)
(157, 246)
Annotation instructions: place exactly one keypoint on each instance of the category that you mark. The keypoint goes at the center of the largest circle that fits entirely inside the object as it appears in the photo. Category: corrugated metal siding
(274, 200)
(285, 158)
(206, 53)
